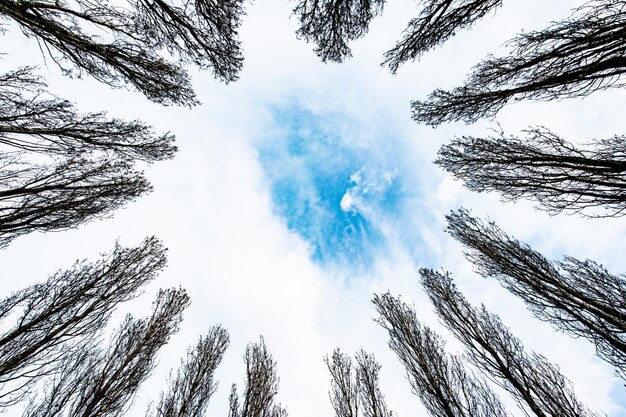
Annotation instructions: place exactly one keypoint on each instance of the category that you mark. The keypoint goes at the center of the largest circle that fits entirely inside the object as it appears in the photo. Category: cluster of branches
(331, 24)
(60, 168)
(356, 392)
(438, 21)
(55, 346)
(58, 319)
(571, 58)
(544, 167)
(444, 383)
(124, 44)
(261, 386)
(578, 297)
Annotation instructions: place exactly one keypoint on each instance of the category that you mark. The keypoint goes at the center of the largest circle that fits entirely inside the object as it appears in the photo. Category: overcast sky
(304, 188)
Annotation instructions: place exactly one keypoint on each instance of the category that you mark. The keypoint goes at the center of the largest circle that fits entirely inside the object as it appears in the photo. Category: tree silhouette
(580, 298)
(260, 388)
(331, 24)
(56, 320)
(535, 383)
(353, 391)
(571, 58)
(125, 43)
(189, 392)
(103, 382)
(543, 167)
(440, 380)
(438, 21)
(60, 168)
(35, 121)
(43, 198)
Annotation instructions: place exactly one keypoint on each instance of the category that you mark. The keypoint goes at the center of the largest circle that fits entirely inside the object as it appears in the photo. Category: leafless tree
(56, 319)
(104, 382)
(571, 58)
(351, 391)
(261, 386)
(189, 392)
(441, 380)
(544, 167)
(62, 196)
(60, 168)
(331, 24)
(34, 121)
(438, 21)
(535, 383)
(124, 43)
(580, 298)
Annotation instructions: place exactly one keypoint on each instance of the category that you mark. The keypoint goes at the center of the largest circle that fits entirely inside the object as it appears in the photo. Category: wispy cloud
(346, 197)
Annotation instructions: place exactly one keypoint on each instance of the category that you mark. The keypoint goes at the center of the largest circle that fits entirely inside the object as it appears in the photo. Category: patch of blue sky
(334, 190)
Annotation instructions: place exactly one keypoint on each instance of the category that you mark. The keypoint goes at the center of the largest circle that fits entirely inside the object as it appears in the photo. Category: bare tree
(535, 383)
(189, 392)
(438, 21)
(60, 168)
(35, 121)
(56, 319)
(103, 382)
(331, 24)
(571, 58)
(122, 44)
(543, 167)
(344, 387)
(351, 391)
(441, 381)
(44, 198)
(261, 386)
(580, 298)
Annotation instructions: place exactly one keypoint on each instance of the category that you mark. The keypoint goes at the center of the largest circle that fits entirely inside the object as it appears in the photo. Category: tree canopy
(571, 58)
(127, 43)
(438, 21)
(580, 298)
(544, 167)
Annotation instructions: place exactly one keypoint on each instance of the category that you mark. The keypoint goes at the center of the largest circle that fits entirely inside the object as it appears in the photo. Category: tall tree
(580, 298)
(189, 392)
(543, 167)
(571, 58)
(62, 196)
(124, 43)
(535, 383)
(331, 24)
(260, 388)
(438, 21)
(56, 319)
(441, 380)
(60, 168)
(34, 121)
(103, 382)
(356, 390)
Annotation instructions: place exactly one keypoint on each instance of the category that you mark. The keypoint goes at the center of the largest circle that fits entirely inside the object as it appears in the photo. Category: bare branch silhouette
(572, 58)
(438, 21)
(580, 298)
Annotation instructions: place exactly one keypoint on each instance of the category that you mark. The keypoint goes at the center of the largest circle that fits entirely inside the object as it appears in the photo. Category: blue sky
(337, 193)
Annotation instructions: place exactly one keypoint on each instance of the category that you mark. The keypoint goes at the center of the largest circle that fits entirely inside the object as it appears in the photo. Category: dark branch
(536, 384)
(572, 58)
(438, 21)
(440, 380)
(543, 167)
(190, 391)
(331, 24)
(56, 319)
(580, 298)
